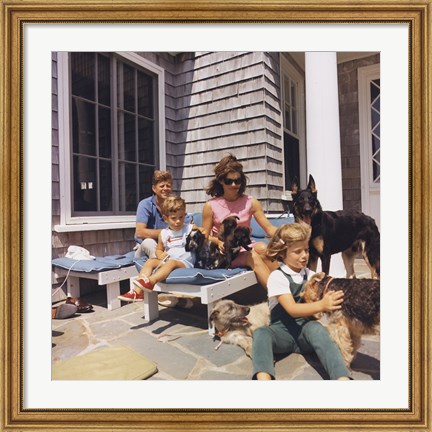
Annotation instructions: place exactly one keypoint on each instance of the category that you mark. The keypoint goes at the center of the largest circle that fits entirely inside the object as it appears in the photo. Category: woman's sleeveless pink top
(241, 207)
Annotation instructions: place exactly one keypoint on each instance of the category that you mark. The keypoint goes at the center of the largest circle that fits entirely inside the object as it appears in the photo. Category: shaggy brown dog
(360, 313)
(235, 324)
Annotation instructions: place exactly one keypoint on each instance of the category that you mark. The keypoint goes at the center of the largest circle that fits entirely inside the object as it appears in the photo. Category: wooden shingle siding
(226, 103)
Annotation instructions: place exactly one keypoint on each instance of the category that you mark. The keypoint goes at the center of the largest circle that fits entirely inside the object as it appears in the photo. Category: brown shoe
(81, 304)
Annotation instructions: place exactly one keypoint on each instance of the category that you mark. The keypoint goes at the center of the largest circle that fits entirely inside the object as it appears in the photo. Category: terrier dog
(207, 255)
(360, 312)
(235, 324)
(348, 231)
(234, 238)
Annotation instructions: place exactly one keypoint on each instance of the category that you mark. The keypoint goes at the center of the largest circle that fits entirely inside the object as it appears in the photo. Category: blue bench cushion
(97, 265)
(258, 234)
(202, 277)
(195, 276)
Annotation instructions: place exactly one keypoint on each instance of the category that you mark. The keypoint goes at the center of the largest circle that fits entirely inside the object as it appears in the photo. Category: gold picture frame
(15, 15)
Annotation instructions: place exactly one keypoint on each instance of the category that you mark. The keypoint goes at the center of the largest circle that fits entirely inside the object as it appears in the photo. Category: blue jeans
(286, 335)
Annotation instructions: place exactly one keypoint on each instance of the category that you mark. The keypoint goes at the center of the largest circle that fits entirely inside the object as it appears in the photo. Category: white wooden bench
(111, 278)
(208, 294)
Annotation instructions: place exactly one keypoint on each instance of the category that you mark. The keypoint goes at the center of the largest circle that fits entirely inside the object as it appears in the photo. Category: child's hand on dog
(221, 247)
(332, 301)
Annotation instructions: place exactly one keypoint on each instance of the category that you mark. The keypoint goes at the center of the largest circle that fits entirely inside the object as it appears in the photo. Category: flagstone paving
(188, 352)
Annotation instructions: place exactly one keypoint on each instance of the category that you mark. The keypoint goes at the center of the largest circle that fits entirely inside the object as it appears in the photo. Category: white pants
(147, 247)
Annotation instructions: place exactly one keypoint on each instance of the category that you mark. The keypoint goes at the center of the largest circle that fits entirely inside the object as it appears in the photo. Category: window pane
(127, 187)
(146, 141)
(104, 132)
(294, 121)
(145, 179)
(105, 185)
(126, 131)
(287, 117)
(126, 87)
(85, 198)
(375, 89)
(106, 138)
(83, 127)
(145, 95)
(83, 75)
(293, 94)
(104, 79)
(376, 165)
(287, 89)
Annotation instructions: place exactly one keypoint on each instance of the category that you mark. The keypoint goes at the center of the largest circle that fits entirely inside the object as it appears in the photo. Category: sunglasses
(236, 181)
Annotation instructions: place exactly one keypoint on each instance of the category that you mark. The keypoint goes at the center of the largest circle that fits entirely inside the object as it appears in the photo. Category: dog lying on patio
(360, 312)
(234, 324)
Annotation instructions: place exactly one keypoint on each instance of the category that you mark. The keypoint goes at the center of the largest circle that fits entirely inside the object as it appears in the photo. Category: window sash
(65, 163)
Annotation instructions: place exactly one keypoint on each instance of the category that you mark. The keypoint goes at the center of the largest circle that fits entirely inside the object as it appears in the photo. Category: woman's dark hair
(228, 164)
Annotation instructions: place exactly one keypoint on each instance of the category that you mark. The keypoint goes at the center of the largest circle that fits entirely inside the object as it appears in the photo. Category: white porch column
(323, 135)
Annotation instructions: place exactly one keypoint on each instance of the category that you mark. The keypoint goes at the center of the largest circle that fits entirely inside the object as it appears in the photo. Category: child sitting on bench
(170, 251)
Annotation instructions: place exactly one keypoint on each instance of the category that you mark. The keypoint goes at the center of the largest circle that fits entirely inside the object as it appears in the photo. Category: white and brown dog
(235, 324)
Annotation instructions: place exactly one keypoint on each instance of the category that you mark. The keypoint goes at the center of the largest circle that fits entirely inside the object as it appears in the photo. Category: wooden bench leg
(151, 307)
(113, 291)
(73, 286)
(211, 328)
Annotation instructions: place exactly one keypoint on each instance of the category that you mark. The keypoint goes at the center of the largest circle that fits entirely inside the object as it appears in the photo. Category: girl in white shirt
(291, 330)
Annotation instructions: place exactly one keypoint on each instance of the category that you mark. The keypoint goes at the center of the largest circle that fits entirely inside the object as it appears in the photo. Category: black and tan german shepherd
(348, 231)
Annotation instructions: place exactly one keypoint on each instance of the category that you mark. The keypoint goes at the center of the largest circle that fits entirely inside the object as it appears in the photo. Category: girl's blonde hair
(284, 237)
(172, 204)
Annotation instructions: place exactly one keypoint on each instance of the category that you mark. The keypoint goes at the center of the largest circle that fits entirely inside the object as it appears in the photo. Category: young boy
(290, 329)
(170, 250)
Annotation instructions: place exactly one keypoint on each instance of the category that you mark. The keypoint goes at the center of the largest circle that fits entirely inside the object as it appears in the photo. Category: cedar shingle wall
(226, 102)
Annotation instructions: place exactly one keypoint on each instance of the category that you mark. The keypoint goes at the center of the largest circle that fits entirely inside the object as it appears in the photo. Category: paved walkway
(189, 356)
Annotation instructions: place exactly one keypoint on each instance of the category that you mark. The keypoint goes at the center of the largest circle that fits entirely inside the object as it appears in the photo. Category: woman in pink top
(227, 190)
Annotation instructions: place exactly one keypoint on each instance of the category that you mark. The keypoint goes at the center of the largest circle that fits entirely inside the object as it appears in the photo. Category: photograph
(238, 142)
(201, 187)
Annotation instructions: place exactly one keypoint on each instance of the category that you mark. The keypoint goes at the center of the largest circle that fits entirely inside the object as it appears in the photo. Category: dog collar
(221, 333)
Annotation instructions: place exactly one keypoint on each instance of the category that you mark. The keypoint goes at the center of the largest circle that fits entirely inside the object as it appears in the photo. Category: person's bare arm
(207, 224)
(160, 250)
(142, 232)
(261, 218)
(330, 302)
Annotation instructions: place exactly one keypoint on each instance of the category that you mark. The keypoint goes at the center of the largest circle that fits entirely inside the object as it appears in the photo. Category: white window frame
(365, 75)
(286, 68)
(89, 223)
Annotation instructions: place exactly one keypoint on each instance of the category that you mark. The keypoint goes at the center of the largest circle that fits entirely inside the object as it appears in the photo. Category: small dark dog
(348, 231)
(207, 255)
(360, 312)
(234, 238)
(235, 324)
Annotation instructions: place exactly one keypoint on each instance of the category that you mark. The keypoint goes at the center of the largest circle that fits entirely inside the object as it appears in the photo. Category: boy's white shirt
(278, 284)
(178, 241)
